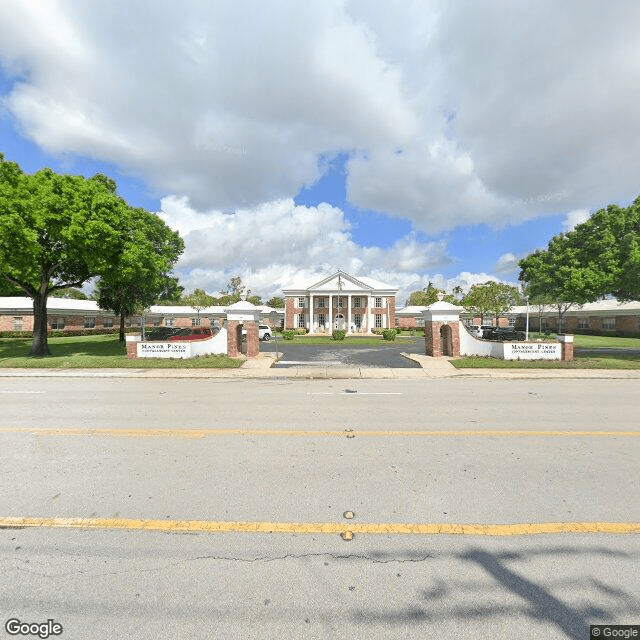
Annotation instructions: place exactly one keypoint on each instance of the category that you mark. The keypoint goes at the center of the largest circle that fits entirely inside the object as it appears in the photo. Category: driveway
(386, 354)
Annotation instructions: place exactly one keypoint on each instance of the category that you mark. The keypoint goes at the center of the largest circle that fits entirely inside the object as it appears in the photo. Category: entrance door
(339, 321)
(446, 340)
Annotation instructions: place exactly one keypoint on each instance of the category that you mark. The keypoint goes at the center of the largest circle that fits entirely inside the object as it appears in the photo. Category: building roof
(597, 308)
(24, 305)
(340, 280)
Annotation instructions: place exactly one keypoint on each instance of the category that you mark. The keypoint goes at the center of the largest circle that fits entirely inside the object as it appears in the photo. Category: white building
(341, 301)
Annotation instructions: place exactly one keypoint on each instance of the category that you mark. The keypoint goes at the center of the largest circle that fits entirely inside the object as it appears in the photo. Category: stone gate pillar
(442, 329)
(243, 315)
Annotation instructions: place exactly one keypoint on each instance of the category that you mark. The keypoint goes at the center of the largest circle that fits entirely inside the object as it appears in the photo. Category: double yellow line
(209, 526)
(349, 433)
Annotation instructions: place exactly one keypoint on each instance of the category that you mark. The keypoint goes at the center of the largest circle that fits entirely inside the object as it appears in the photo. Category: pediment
(340, 280)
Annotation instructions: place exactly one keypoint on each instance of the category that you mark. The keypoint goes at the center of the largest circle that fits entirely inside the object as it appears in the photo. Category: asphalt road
(214, 467)
(385, 354)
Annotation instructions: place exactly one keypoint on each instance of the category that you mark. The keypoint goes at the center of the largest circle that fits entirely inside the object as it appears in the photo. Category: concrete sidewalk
(262, 367)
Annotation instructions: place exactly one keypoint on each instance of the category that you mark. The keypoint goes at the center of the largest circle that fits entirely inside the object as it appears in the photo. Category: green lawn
(96, 352)
(592, 342)
(591, 362)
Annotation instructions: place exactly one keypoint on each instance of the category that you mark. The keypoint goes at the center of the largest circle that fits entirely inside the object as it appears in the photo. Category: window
(512, 321)
(357, 303)
(17, 324)
(301, 321)
(322, 320)
(89, 322)
(57, 323)
(378, 320)
(321, 303)
(583, 323)
(378, 303)
(608, 324)
(107, 323)
(195, 322)
(357, 320)
(339, 302)
(302, 303)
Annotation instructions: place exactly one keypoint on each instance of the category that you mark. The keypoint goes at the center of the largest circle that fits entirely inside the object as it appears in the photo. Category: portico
(340, 301)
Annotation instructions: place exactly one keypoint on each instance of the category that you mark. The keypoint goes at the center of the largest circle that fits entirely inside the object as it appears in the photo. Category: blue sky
(410, 143)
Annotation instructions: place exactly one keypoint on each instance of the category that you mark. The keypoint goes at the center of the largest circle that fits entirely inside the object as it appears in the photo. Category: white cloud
(575, 217)
(278, 243)
(507, 265)
(454, 113)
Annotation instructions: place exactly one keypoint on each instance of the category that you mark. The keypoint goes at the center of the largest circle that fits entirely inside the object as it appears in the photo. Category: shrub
(338, 334)
(300, 331)
(288, 335)
(389, 334)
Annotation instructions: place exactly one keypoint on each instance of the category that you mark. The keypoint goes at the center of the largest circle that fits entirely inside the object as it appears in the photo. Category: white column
(349, 313)
(330, 313)
(369, 314)
(311, 313)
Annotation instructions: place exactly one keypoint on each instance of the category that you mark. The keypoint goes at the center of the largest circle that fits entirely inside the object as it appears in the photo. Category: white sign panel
(532, 351)
(164, 350)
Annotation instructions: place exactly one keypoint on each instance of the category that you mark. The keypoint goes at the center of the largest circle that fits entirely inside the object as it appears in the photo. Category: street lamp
(526, 335)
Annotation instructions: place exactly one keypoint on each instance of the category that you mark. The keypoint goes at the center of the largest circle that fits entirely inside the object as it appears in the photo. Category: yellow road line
(208, 526)
(206, 433)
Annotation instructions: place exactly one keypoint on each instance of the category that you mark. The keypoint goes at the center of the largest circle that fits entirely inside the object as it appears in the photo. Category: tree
(171, 292)
(199, 300)
(276, 302)
(556, 275)
(70, 293)
(56, 231)
(600, 256)
(234, 288)
(494, 298)
(607, 248)
(142, 271)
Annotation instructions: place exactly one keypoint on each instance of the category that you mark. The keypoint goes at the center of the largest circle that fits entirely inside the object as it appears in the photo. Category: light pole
(526, 335)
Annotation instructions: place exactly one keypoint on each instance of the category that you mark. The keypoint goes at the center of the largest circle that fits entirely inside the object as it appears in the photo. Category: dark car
(503, 334)
(160, 334)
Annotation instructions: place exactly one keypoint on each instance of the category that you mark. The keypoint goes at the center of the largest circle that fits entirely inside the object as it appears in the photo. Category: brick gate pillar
(248, 315)
(567, 346)
(442, 329)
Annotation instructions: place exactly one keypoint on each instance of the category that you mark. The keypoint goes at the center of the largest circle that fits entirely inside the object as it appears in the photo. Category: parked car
(474, 330)
(264, 332)
(191, 333)
(484, 329)
(160, 334)
(504, 334)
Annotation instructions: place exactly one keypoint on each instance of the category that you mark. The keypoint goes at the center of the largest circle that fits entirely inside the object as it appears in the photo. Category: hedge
(66, 333)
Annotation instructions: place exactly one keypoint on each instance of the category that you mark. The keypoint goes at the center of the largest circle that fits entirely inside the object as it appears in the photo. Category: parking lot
(386, 354)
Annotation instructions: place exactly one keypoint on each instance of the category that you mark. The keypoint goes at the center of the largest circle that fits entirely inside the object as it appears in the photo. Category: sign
(532, 351)
(164, 350)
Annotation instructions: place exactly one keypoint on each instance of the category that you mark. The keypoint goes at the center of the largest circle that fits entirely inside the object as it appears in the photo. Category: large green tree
(494, 298)
(601, 256)
(59, 231)
(142, 273)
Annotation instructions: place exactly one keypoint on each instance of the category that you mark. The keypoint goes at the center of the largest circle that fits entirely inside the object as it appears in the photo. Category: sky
(411, 142)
